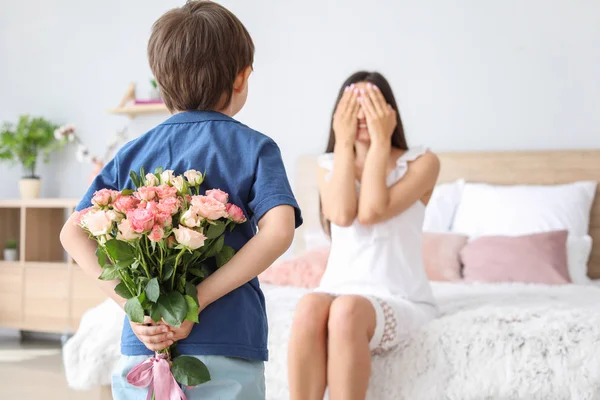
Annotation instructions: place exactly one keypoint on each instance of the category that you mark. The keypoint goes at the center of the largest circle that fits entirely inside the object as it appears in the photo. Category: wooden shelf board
(138, 109)
(10, 264)
(46, 265)
(39, 203)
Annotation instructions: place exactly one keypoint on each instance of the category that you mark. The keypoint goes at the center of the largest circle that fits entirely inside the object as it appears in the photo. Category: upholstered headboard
(499, 168)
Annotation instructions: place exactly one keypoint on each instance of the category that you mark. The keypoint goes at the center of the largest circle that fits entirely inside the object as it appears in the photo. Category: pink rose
(189, 238)
(166, 191)
(157, 234)
(170, 205)
(125, 203)
(126, 232)
(146, 193)
(209, 207)
(164, 219)
(218, 194)
(152, 206)
(236, 214)
(141, 220)
(191, 218)
(98, 222)
(104, 197)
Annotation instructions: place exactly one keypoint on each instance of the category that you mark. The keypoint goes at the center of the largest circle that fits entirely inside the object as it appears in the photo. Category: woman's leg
(352, 321)
(307, 351)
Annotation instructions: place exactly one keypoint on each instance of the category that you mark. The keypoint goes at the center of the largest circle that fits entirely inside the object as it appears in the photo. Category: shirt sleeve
(108, 178)
(271, 187)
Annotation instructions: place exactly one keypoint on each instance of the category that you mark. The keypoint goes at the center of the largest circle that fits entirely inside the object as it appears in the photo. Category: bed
(493, 341)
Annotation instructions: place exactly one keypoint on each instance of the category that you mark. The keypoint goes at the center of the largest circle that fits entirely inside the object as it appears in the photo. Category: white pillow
(519, 210)
(442, 206)
(578, 254)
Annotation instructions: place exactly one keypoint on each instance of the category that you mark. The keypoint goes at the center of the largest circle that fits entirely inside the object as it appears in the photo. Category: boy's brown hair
(195, 54)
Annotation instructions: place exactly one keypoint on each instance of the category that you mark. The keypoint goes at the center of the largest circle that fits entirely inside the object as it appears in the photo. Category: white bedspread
(500, 341)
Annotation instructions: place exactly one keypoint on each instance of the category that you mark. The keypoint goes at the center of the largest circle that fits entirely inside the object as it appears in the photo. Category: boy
(201, 55)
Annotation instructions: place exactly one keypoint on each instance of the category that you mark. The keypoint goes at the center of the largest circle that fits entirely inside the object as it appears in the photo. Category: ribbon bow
(155, 374)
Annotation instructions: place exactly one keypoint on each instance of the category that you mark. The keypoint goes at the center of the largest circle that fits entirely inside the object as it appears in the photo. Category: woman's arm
(379, 203)
(376, 202)
(339, 201)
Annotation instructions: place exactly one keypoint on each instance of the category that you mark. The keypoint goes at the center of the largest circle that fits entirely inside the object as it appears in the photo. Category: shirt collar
(196, 116)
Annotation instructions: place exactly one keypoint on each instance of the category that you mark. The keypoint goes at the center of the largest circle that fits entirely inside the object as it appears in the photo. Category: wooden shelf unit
(138, 109)
(44, 290)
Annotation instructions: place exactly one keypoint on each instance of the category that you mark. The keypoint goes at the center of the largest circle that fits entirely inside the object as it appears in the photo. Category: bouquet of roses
(160, 241)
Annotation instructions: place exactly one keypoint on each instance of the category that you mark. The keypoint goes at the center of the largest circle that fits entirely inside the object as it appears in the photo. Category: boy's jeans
(231, 379)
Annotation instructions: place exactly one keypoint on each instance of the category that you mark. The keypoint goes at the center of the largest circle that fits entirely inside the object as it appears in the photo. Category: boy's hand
(183, 331)
(155, 336)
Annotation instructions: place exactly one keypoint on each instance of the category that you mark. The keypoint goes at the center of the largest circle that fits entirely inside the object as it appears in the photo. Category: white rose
(126, 232)
(166, 177)
(178, 183)
(151, 180)
(194, 177)
(114, 216)
(191, 219)
(189, 238)
(97, 222)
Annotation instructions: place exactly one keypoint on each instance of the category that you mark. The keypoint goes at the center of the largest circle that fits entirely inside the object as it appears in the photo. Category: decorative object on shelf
(23, 144)
(82, 154)
(154, 92)
(131, 106)
(10, 251)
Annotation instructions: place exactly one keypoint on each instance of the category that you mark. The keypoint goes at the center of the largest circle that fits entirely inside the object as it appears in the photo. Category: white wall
(468, 74)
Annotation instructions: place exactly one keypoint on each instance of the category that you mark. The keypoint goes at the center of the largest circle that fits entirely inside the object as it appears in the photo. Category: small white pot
(30, 188)
(11, 255)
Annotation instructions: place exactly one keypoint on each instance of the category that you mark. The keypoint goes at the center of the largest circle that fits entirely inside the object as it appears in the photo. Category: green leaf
(158, 171)
(214, 231)
(127, 192)
(109, 274)
(173, 308)
(143, 299)
(192, 309)
(167, 272)
(122, 290)
(216, 247)
(181, 284)
(135, 179)
(197, 272)
(119, 251)
(142, 173)
(155, 313)
(190, 371)
(225, 255)
(192, 291)
(153, 290)
(101, 256)
(134, 310)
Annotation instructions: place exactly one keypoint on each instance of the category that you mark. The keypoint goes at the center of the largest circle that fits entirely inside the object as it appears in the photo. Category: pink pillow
(304, 271)
(441, 255)
(536, 258)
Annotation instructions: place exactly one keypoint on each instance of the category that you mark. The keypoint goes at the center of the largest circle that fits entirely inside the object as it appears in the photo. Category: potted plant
(23, 144)
(10, 251)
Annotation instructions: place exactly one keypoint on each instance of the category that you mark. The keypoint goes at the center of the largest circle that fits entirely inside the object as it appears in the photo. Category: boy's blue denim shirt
(240, 161)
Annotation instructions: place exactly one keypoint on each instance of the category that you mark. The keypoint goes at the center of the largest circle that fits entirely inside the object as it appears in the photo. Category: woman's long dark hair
(398, 138)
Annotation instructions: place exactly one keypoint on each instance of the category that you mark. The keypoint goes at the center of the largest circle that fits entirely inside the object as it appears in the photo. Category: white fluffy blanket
(501, 341)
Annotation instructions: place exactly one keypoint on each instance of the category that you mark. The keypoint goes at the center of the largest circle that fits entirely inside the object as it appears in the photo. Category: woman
(374, 292)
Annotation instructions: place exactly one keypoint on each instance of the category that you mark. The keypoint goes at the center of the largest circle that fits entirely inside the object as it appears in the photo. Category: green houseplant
(23, 143)
(10, 251)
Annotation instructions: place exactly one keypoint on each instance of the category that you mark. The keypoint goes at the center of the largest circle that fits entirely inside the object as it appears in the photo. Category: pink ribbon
(155, 374)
